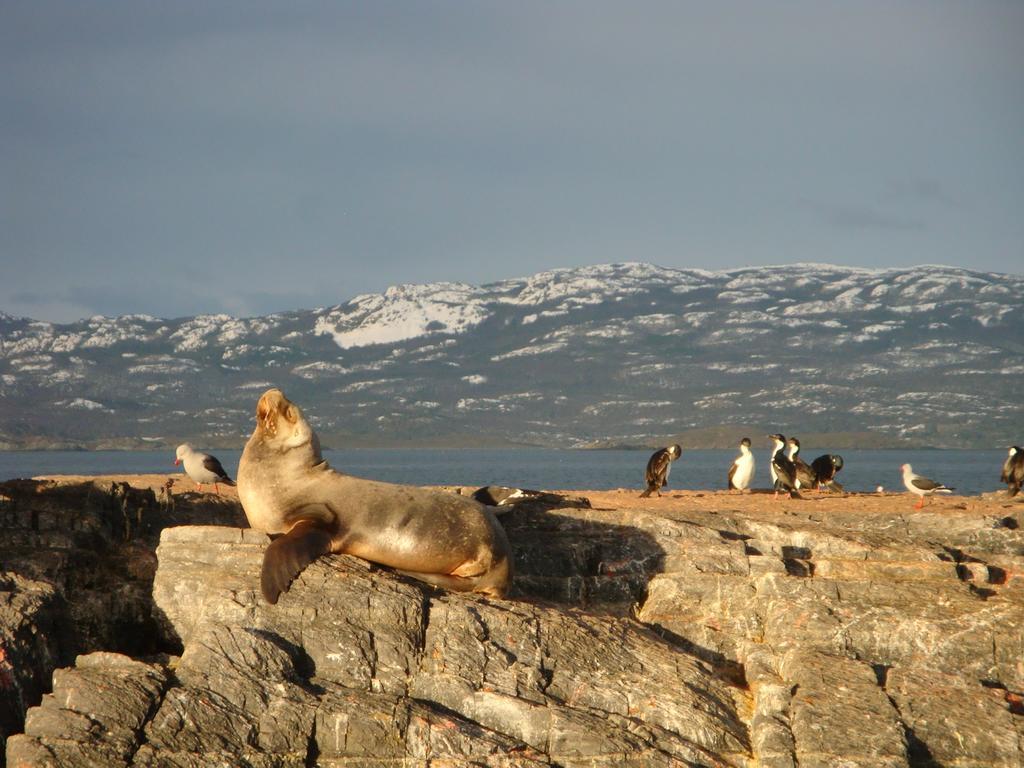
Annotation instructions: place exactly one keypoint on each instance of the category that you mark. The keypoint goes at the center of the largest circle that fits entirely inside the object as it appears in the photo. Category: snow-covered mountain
(606, 355)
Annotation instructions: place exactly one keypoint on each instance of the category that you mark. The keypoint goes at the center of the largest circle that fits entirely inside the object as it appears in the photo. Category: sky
(252, 157)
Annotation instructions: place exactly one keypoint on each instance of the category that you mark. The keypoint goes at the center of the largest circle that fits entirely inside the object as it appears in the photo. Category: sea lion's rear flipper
(288, 555)
(494, 581)
(483, 585)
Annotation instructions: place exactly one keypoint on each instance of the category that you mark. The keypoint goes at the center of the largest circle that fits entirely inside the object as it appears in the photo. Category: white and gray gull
(203, 468)
(921, 486)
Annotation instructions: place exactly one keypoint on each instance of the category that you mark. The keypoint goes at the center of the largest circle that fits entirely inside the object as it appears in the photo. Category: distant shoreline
(510, 447)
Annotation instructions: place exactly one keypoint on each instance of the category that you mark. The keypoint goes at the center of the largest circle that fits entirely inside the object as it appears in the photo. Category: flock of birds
(790, 473)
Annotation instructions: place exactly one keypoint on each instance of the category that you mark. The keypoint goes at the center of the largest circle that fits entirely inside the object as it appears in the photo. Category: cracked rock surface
(695, 629)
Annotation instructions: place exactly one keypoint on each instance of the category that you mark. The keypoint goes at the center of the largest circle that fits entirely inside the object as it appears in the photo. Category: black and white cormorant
(805, 477)
(783, 470)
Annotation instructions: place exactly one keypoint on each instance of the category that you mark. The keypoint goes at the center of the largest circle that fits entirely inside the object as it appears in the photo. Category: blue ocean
(970, 472)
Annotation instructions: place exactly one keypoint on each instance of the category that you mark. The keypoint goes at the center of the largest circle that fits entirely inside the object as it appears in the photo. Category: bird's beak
(177, 462)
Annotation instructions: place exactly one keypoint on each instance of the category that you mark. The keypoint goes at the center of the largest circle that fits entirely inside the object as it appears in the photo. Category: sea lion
(286, 487)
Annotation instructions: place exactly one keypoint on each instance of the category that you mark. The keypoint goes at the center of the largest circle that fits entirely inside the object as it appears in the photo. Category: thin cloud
(855, 218)
(923, 190)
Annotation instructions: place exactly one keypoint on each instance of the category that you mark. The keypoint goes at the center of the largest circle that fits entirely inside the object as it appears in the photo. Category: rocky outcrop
(358, 663)
(33, 628)
(77, 560)
(699, 629)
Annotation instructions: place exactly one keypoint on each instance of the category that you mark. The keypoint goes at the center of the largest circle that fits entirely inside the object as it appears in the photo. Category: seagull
(658, 467)
(1013, 471)
(202, 467)
(921, 486)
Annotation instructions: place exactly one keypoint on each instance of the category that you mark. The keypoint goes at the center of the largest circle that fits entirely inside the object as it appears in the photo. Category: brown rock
(694, 629)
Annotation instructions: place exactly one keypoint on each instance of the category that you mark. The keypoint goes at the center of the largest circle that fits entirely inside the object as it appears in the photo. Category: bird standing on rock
(783, 470)
(658, 468)
(742, 470)
(805, 477)
(921, 486)
(1013, 471)
(201, 467)
(825, 469)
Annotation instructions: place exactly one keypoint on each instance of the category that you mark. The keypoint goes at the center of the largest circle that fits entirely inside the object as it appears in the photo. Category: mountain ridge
(610, 354)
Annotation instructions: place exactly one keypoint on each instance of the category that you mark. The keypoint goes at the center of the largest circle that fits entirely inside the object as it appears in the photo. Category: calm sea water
(971, 472)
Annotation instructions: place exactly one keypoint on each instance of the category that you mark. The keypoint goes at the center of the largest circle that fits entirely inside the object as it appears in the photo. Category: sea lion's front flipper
(288, 555)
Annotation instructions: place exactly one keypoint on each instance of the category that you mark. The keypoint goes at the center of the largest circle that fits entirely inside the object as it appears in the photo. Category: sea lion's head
(281, 426)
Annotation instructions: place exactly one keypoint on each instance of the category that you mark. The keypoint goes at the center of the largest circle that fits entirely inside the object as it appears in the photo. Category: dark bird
(805, 477)
(921, 486)
(783, 470)
(500, 495)
(658, 467)
(202, 467)
(504, 496)
(1013, 471)
(825, 469)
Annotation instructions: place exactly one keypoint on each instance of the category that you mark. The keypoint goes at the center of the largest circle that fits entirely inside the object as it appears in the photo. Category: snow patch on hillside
(81, 403)
(164, 364)
(194, 334)
(404, 312)
(315, 370)
(536, 349)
